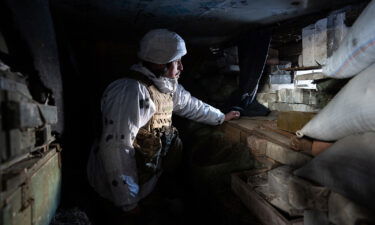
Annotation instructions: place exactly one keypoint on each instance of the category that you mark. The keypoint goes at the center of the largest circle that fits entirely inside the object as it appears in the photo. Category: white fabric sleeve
(192, 108)
(126, 106)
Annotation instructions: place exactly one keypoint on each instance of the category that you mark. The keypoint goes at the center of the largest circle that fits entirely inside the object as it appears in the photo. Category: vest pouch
(147, 154)
(150, 148)
(147, 143)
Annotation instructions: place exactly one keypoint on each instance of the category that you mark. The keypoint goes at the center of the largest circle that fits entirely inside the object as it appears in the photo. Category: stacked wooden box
(30, 170)
(271, 191)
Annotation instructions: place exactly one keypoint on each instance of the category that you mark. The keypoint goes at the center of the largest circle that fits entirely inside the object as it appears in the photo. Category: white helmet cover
(161, 46)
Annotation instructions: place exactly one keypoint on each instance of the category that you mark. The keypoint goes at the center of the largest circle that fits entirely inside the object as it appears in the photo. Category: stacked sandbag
(357, 51)
(347, 167)
(351, 111)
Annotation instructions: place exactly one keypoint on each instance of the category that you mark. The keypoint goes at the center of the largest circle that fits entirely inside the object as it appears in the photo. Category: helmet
(161, 46)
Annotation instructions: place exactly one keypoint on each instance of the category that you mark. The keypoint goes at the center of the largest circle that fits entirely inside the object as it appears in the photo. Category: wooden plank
(266, 213)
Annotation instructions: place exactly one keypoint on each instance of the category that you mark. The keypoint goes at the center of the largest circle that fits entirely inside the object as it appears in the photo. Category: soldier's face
(175, 68)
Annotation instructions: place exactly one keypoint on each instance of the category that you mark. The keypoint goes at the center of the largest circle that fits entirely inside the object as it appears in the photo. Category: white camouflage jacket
(126, 107)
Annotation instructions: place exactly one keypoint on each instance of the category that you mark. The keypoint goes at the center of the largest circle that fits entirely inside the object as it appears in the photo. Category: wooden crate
(265, 212)
(31, 190)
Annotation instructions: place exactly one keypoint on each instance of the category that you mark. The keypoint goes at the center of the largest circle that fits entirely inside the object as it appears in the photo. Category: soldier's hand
(232, 115)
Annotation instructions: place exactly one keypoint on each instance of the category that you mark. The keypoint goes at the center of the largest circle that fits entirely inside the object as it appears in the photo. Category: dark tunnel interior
(70, 51)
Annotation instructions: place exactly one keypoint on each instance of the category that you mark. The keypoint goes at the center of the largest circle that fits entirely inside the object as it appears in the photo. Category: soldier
(137, 121)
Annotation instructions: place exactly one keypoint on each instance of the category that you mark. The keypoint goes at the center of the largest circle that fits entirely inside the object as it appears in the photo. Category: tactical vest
(164, 107)
(155, 138)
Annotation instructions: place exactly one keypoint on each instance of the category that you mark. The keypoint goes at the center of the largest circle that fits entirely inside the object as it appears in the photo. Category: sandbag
(357, 51)
(351, 111)
(347, 167)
